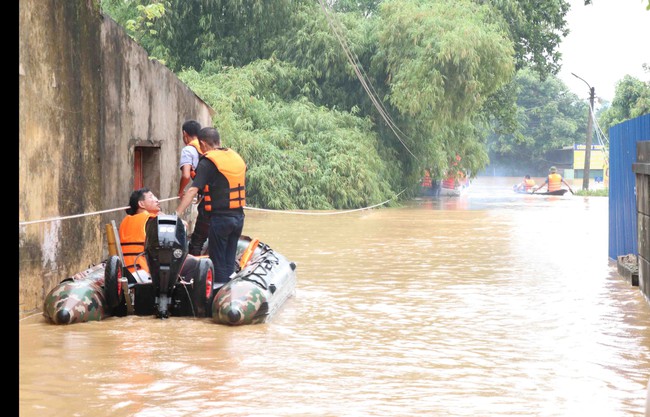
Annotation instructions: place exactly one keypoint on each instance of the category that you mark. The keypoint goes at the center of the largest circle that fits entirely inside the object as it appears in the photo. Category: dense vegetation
(631, 99)
(548, 118)
(343, 106)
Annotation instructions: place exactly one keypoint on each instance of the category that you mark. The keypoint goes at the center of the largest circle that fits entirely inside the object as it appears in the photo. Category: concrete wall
(88, 96)
(59, 140)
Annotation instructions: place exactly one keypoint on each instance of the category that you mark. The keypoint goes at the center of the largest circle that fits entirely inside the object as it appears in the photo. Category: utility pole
(592, 95)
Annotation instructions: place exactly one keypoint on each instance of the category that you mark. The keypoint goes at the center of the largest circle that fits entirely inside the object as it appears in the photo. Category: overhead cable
(364, 83)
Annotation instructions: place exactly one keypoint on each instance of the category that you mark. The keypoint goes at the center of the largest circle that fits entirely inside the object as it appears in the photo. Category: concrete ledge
(628, 268)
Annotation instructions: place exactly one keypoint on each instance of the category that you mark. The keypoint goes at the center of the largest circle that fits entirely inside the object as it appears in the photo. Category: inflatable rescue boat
(263, 282)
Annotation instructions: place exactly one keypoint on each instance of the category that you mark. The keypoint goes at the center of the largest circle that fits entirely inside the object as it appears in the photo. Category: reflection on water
(488, 304)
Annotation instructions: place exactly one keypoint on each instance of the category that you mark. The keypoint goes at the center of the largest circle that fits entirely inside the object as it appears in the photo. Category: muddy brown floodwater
(488, 304)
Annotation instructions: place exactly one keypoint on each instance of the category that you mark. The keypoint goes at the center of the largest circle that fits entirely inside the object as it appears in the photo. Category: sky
(608, 40)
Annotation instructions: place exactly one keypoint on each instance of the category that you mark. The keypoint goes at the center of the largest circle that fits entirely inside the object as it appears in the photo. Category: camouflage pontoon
(258, 291)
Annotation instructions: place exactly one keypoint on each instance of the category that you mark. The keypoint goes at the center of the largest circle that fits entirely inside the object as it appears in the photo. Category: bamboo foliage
(299, 155)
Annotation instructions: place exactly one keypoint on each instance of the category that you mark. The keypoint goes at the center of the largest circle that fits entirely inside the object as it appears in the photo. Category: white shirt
(189, 156)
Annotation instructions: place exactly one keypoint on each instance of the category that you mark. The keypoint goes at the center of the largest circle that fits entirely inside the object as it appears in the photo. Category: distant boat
(556, 192)
(561, 191)
(453, 186)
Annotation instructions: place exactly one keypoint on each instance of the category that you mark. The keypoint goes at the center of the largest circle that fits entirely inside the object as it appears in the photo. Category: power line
(364, 83)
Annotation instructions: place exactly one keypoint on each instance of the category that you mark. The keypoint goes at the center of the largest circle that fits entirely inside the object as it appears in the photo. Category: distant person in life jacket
(428, 186)
(554, 182)
(143, 206)
(221, 175)
(526, 185)
(426, 179)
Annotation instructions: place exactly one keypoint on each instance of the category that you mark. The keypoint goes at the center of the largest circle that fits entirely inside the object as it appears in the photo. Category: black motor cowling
(165, 250)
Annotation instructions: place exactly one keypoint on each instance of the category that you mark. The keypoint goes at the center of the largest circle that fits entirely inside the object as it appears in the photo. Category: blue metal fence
(622, 184)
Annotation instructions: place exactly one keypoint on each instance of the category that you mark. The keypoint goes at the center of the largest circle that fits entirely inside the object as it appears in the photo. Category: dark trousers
(225, 230)
(199, 234)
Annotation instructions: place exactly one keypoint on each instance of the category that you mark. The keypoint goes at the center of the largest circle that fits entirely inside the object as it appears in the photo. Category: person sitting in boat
(428, 185)
(143, 205)
(425, 182)
(526, 185)
(553, 182)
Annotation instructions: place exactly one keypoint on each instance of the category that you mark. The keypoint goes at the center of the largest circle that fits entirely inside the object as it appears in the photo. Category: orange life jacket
(195, 143)
(554, 182)
(449, 182)
(426, 180)
(230, 190)
(132, 237)
(529, 183)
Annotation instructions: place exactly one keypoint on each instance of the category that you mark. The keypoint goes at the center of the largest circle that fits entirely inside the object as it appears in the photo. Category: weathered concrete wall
(88, 96)
(59, 140)
(642, 171)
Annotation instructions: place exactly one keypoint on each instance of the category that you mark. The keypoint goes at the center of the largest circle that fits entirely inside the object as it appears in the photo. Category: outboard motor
(165, 249)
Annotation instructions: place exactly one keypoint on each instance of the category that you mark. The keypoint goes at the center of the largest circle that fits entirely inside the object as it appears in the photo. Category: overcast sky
(608, 39)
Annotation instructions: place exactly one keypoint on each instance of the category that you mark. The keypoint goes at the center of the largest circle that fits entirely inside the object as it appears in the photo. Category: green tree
(366, 7)
(441, 60)
(188, 33)
(234, 32)
(631, 99)
(536, 29)
(549, 117)
(139, 20)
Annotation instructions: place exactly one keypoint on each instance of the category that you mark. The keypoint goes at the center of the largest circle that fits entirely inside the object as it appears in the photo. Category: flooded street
(488, 304)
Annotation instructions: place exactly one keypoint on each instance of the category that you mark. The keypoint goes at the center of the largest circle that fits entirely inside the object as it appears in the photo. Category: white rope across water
(306, 213)
(73, 216)
(329, 213)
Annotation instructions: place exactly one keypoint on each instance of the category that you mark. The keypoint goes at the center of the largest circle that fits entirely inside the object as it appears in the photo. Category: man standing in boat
(188, 161)
(221, 175)
(554, 182)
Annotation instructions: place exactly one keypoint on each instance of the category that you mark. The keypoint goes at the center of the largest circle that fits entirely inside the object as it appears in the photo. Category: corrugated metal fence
(622, 184)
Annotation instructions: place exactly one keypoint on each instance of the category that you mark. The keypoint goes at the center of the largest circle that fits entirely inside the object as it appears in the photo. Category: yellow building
(597, 162)
(571, 161)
